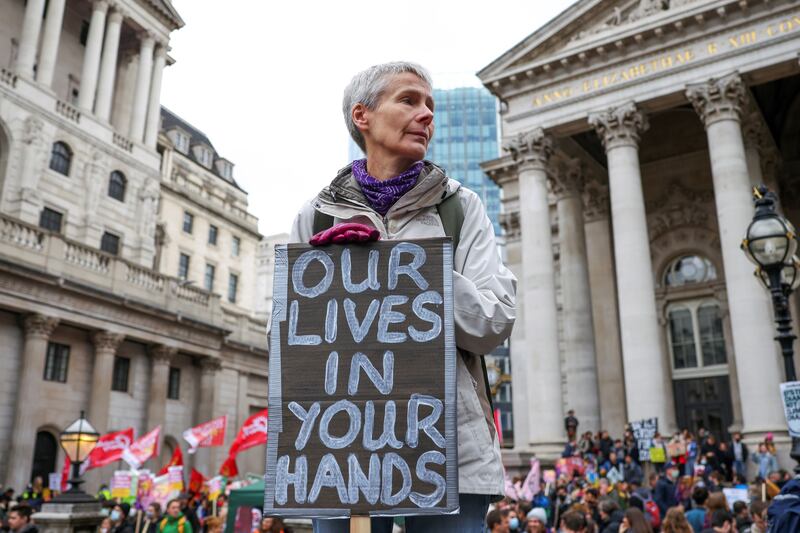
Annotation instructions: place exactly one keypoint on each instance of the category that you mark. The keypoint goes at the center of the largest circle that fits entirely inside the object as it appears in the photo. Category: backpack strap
(451, 212)
(452, 215)
(321, 222)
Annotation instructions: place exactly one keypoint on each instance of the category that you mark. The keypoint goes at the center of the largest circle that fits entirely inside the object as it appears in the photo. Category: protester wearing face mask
(106, 525)
(119, 519)
(151, 517)
(664, 494)
(513, 521)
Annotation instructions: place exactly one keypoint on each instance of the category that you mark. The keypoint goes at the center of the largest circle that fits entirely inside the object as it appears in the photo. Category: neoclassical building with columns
(634, 132)
(90, 319)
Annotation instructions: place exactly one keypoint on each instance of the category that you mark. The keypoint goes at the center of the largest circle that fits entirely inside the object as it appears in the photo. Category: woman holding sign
(394, 194)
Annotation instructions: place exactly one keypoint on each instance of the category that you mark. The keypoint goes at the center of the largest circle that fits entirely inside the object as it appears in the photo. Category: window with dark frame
(212, 234)
(60, 158)
(183, 266)
(208, 282)
(57, 362)
(188, 222)
(117, 183)
(50, 219)
(233, 287)
(109, 243)
(174, 384)
(119, 378)
(235, 245)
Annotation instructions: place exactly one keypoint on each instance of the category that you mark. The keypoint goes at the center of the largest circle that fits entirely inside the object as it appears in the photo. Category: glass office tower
(466, 134)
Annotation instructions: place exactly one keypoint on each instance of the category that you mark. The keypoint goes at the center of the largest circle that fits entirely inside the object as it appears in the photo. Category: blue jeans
(470, 519)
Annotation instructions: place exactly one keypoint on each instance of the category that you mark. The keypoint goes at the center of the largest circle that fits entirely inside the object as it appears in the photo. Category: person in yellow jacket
(174, 521)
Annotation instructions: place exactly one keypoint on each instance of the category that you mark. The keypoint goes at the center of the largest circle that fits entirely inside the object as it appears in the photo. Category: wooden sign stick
(360, 524)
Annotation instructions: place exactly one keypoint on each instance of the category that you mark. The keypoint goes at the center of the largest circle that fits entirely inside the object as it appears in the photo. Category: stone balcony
(41, 250)
(25, 94)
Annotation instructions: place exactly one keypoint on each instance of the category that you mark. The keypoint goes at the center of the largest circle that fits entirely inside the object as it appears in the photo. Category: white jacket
(484, 297)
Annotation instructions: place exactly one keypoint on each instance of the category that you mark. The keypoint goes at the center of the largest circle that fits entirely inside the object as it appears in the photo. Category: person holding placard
(394, 194)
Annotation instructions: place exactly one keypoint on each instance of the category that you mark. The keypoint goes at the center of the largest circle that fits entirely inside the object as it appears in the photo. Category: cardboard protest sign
(362, 412)
(790, 394)
(643, 432)
(121, 484)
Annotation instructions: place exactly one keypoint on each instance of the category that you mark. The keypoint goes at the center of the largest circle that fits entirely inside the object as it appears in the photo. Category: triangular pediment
(584, 22)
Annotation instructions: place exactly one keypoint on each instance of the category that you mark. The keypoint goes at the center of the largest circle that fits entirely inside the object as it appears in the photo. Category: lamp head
(79, 439)
(770, 240)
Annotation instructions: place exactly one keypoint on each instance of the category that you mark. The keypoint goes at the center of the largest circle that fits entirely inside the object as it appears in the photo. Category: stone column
(154, 105)
(108, 65)
(576, 298)
(545, 411)
(144, 74)
(605, 314)
(50, 40)
(29, 39)
(91, 56)
(645, 363)
(206, 459)
(105, 348)
(38, 329)
(157, 401)
(719, 104)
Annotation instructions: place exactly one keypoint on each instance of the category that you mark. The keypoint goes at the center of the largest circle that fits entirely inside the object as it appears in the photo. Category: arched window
(44, 455)
(689, 269)
(116, 185)
(60, 158)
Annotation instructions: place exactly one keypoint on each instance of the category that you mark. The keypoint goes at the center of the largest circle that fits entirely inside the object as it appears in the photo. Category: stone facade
(86, 321)
(634, 132)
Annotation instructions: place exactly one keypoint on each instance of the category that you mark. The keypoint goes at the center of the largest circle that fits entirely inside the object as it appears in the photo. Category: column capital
(567, 178)
(530, 148)
(147, 39)
(163, 354)
(620, 126)
(509, 221)
(595, 198)
(718, 99)
(100, 5)
(116, 14)
(210, 365)
(107, 341)
(37, 325)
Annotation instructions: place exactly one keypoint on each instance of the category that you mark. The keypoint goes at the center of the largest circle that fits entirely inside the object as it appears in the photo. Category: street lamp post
(78, 441)
(771, 243)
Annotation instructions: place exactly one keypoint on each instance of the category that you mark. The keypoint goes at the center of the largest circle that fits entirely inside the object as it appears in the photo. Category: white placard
(790, 395)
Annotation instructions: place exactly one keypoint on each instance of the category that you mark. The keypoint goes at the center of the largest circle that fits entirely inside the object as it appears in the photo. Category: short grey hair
(368, 86)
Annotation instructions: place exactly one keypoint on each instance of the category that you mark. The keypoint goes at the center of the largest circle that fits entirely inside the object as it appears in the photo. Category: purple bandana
(382, 195)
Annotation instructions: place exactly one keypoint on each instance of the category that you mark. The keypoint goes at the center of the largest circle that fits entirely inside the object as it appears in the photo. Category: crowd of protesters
(602, 485)
(188, 513)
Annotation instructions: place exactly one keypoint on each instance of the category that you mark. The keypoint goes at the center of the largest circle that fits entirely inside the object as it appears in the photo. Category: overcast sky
(264, 79)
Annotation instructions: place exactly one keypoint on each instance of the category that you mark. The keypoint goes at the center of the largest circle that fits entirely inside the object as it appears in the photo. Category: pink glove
(344, 233)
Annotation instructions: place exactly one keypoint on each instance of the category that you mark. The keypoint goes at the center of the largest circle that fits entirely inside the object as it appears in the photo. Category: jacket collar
(432, 187)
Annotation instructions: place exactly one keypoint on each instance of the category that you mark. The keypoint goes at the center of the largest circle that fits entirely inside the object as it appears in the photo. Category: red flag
(196, 481)
(253, 433)
(206, 435)
(498, 425)
(229, 468)
(176, 460)
(142, 449)
(109, 448)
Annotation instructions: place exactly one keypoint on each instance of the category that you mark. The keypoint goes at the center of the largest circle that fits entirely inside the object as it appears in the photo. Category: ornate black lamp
(771, 243)
(78, 441)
